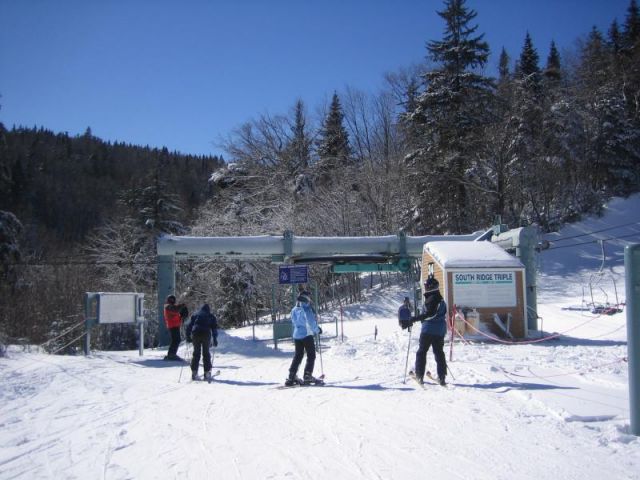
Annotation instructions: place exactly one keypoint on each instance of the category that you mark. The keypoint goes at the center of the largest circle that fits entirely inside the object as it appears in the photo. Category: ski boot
(442, 381)
(309, 379)
(292, 380)
(174, 358)
(417, 377)
(194, 374)
(207, 376)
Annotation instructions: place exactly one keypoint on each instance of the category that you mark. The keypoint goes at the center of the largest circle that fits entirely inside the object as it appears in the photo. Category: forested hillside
(446, 147)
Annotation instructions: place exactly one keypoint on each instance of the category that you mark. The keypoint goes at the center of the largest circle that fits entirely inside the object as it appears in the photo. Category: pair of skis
(301, 383)
(433, 380)
(209, 380)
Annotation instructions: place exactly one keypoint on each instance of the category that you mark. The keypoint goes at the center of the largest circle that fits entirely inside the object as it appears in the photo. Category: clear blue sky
(183, 74)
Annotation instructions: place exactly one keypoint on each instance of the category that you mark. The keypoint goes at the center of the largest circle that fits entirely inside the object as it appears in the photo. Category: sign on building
(485, 288)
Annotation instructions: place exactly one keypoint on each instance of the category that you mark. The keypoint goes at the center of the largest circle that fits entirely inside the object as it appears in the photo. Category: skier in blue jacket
(434, 327)
(305, 326)
(201, 330)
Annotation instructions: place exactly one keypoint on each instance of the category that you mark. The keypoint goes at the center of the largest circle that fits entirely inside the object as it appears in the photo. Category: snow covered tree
(631, 59)
(612, 137)
(450, 112)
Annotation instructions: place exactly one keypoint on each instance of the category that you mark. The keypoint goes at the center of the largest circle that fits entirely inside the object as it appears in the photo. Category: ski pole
(320, 354)
(451, 373)
(406, 364)
(182, 367)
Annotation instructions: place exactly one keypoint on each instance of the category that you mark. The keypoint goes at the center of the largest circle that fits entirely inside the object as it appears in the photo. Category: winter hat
(431, 285)
(304, 298)
(171, 299)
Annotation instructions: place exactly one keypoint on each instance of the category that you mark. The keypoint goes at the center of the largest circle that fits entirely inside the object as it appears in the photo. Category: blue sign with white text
(293, 274)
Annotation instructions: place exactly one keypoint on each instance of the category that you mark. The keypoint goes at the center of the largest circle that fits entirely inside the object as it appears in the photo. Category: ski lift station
(483, 281)
(387, 253)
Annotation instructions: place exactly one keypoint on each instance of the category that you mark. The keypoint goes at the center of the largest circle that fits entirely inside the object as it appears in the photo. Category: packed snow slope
(556, 408)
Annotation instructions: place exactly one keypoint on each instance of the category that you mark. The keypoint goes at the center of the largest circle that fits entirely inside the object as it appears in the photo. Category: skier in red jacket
(173, 319)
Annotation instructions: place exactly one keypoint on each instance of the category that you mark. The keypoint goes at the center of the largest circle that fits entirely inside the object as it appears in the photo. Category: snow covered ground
(551, 409)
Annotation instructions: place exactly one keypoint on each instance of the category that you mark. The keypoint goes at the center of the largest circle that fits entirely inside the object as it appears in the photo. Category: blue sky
(183, 74)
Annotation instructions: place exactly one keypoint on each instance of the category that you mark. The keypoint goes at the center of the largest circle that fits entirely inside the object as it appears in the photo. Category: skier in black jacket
(202, 328)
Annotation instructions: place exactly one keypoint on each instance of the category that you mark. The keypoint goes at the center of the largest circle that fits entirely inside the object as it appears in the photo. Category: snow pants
(201, 342)
(175, 342)
(437, 342)
(306, 344)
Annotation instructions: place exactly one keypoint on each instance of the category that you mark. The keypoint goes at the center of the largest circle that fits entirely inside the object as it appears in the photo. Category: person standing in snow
(173, 320)
(305, 326)
(404, 312)
(434, 327)
(201, 330)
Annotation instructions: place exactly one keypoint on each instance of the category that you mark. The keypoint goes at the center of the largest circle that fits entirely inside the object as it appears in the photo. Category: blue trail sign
(293, 274)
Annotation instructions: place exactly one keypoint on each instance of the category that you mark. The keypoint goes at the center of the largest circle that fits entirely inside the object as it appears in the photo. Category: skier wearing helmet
(434, 327)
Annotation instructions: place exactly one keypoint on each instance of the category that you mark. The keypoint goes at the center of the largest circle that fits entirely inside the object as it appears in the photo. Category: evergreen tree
(528, 72)
(333, 144)
(612, 137)
(449, 115)
(631, 59)
(632, 26)
(615, 38)
(503, 67)
(299, 148)
(552, 71)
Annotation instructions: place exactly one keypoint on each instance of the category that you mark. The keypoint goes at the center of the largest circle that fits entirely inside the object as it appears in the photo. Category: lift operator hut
(480, 276)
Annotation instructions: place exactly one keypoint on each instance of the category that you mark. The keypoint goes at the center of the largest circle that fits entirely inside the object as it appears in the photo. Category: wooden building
(480, 276)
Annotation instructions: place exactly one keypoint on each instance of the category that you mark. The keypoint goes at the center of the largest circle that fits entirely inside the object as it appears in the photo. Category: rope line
(66, 345)
(577, 372)
(63, 333)
(537, 340)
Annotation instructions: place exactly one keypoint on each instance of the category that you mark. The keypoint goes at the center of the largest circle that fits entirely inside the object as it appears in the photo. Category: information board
(480, 288)
(288, 274)
(117, 308)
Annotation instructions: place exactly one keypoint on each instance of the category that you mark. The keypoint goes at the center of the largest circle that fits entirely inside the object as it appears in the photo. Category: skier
(173, 320)
(434, 327)
(404, 312)
(201, 330)
(305, 327)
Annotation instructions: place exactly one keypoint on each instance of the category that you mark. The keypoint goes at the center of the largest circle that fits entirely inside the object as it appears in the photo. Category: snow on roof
(471, 255)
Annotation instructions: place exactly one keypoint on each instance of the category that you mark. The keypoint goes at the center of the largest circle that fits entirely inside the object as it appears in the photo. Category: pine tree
(528, 72)
(552, 71)
(632, 26)
(612, 136)
(631, 59)
(503, 67)
(333, 144)
(614, 38)
(450, 113)
(299, 147)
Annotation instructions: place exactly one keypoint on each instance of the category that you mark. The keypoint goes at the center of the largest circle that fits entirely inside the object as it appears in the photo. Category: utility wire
(595, 231)
(594, 241)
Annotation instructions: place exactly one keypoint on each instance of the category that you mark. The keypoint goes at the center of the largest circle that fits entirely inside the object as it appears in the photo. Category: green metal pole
(632, 285)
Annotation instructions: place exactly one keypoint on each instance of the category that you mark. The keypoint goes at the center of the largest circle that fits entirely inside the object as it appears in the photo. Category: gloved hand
(406, 323)
(189, 339)
(319, 330)
(215, 342)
